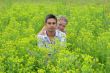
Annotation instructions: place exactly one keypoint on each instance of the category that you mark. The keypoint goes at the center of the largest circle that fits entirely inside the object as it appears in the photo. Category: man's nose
(52, 25)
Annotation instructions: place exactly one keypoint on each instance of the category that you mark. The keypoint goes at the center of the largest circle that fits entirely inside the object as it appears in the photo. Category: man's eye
(54, 23)
(49, 23)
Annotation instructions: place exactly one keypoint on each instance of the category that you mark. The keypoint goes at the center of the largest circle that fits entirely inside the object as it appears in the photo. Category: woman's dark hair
(49, 16)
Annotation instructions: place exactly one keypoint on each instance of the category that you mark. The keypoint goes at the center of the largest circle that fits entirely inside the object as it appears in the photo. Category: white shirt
(44, 41)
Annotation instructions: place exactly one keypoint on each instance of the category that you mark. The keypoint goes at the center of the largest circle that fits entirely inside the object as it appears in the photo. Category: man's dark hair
(49, 16)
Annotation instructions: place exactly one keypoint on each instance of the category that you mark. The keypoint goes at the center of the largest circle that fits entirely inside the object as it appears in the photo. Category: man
(51, 34)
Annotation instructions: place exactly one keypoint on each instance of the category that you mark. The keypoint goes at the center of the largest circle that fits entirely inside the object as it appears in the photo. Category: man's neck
(50, 33)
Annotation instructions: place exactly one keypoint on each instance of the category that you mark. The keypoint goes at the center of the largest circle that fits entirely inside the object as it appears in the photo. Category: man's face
(61, 25)
(51, 25)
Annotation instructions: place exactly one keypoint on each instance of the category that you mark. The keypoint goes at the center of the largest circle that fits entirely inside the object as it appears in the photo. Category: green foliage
(88, 40)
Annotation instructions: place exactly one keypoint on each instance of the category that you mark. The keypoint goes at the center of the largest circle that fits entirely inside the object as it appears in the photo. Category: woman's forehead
(61, 22)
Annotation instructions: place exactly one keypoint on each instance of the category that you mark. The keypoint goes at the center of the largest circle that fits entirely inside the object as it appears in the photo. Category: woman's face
(61, 25)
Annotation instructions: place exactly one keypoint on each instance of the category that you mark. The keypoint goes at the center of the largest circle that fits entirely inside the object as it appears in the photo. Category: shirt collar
(56, 33)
